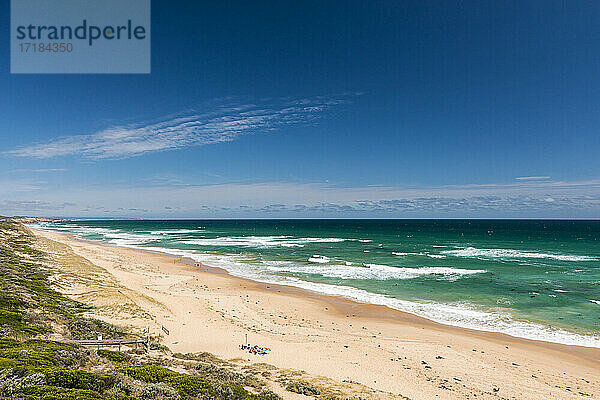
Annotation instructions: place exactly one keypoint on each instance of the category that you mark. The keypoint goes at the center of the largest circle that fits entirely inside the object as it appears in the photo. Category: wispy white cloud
(32, 206)
(216, 123)
(532, 178)
(172, 198)
(37, 170)
(9, 187)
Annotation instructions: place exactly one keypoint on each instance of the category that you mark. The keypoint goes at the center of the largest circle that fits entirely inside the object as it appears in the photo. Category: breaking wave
(374, 271)
(261, 241)
(472, 252)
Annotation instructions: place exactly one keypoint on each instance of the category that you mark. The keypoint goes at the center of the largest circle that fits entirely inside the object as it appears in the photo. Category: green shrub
(39, 353)
(36, 275)
(44, 392)
(6, 343)
(204, 387)
(303, 388)
(159, 391)
(215, 373)
(10, 302)
(228, 391)
(14, 321)
(77, 379)
(115, 356)
(7, 363)
(186, 385)
(12, 381)
(264, 395)
(85, 328)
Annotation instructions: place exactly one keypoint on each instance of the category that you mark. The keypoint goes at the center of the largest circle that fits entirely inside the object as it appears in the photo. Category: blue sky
(400, 109)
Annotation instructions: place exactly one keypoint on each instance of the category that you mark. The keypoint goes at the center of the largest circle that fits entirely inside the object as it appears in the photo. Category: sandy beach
(205, 309)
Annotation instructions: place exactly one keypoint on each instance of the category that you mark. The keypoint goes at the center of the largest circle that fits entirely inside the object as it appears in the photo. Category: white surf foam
(176, 231)
(261, 241)
(113, 236)
(373, 271)
(77, 230)
(322, 240)
(242, 241)
(120, 238)
(472, 252)
(436, 256)
(319, 259)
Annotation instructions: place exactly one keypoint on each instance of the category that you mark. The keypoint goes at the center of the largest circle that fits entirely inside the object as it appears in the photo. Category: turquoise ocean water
(532, 279)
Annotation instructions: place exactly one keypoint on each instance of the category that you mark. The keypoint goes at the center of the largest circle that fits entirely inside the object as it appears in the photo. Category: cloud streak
(217, 123)
(542, 199)
(37, 170)
(532, 178)
(32, 205)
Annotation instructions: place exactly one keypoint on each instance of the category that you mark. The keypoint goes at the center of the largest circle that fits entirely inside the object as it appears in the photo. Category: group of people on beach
(254, 349)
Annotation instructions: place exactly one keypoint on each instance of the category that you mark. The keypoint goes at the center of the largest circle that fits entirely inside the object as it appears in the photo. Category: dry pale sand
(205, 309)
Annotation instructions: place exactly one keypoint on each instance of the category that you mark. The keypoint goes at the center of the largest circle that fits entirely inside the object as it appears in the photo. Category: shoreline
(310, 292)
(395, 330)
(380, 311)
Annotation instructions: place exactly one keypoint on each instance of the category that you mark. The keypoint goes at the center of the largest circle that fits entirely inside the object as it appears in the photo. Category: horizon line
(308, 218)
